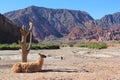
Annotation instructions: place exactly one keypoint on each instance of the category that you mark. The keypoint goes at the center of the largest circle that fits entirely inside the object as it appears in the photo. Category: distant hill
(9, 32)
(55, 22)
(70, 24)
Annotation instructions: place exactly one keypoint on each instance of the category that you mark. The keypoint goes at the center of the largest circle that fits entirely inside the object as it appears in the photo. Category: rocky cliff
(72, 24)
(9, 32)
(47, 22)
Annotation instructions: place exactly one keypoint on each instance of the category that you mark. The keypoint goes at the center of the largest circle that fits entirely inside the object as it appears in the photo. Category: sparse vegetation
(71, 44)
(92, 45)
(97, 45)
(81, 45)
(15, 46)
(45, 46)
(36, 46)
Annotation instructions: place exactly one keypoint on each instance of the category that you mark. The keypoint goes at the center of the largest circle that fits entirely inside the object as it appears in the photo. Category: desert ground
(66, 63)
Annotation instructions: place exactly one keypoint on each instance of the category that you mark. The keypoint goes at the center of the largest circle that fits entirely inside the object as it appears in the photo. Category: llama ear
(39, 54)
(44, 56)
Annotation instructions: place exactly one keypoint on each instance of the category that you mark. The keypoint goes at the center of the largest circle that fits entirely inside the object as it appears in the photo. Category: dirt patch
(76, 64)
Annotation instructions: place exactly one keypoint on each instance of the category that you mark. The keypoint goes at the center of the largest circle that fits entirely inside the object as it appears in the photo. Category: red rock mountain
(47, 22)
(72, 24)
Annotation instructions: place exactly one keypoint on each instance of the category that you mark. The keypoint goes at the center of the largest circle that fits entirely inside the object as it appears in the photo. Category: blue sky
(96, 8)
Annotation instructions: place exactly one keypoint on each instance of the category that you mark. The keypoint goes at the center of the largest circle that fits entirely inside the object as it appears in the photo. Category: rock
(9, 32)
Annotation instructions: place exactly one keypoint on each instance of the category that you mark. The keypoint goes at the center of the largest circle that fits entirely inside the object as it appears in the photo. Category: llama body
(29, 67)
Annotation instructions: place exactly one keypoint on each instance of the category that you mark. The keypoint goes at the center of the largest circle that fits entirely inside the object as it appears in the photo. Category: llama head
(42, 56)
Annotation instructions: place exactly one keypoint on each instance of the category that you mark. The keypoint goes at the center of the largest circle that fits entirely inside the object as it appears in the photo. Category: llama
(29, 67)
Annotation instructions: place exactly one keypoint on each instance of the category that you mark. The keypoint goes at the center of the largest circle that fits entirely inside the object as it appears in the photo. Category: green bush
(93, 45)
(45, 46)
(13, 46)
(71, 44)
(97, 45)
(35, 46)
(82, 45)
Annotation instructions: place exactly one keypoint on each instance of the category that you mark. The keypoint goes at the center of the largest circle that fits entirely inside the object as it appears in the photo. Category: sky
(96, 8)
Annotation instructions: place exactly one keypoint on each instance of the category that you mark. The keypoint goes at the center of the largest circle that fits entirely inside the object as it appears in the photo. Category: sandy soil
(77, 64)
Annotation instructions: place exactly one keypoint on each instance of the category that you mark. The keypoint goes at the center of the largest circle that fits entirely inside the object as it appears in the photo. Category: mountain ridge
(63, 23)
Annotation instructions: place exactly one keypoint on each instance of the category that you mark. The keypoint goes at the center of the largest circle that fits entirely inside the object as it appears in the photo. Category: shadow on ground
(61, 70)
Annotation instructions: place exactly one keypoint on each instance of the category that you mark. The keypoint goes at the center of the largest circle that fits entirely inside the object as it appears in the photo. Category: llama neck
(41, 60)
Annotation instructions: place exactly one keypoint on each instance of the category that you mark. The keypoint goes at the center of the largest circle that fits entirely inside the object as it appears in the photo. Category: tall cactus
(25, 50)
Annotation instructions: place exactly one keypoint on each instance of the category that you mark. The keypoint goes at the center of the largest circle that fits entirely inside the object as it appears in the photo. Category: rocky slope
(111, 19)
(8, 31)
(104, 29)
(73, 24)
(47, 22)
